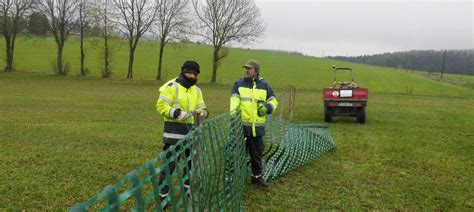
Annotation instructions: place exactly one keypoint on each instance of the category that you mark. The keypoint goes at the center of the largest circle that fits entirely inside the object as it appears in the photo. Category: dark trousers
(255, 147)
(172, 166)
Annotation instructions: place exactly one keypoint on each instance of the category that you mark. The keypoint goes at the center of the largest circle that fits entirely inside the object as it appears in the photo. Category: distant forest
(457, 61)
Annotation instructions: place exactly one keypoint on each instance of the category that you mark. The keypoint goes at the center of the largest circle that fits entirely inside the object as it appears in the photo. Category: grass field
(296, 70)
(457, 79)
(63, 139)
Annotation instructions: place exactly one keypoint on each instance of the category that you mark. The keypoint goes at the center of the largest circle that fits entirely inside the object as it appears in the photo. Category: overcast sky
(324, 28)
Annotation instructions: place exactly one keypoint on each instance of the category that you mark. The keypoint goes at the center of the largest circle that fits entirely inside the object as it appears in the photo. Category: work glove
(262, 111)
(202, 113)
(183, 115)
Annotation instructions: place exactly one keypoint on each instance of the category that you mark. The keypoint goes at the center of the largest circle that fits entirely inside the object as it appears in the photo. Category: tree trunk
(12, 51)
(59, 62)
(83, 73)
(160, 60)
(130, 63)
(81, 21)
(106, 57)
(9, 65)
(214, 64)
(9, 58)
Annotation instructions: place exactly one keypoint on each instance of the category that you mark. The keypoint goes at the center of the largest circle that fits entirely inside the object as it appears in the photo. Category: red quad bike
(345, 98)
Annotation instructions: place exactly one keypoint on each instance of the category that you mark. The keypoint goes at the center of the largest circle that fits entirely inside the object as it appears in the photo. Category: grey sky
(365, 27)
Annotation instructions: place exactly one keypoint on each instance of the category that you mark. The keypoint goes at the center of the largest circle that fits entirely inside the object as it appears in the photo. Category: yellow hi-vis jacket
(174, 96)
(249, 94)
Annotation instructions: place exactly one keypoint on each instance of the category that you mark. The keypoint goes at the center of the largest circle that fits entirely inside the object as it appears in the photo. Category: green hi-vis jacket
(249, 94)
(174, 96)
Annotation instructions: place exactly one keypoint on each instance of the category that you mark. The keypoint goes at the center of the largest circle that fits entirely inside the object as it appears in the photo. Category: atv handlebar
(347, 69)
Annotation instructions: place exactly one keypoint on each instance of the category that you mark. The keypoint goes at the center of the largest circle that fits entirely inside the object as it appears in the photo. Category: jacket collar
(250, 80)
(182, 80)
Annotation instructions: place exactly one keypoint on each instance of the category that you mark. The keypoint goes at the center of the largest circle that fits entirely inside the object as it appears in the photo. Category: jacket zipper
(254, 131)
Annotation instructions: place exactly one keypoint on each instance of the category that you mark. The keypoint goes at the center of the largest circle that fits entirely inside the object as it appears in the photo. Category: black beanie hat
(190, 66)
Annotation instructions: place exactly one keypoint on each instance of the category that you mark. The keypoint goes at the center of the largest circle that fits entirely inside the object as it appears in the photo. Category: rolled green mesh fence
(289, 146)
(213, 159)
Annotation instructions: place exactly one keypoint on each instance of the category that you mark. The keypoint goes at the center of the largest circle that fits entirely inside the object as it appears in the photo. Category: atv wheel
(360, 115)
(327, 115)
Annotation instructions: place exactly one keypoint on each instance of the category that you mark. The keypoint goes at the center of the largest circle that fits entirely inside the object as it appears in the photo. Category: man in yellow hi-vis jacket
(255, 98)
(179, 99)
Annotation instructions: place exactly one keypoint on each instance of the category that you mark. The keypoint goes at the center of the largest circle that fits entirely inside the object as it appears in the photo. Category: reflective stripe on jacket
(249, 95)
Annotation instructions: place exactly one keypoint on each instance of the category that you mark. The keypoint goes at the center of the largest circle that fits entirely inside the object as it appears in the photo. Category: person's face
(250, 72)
(190, 75)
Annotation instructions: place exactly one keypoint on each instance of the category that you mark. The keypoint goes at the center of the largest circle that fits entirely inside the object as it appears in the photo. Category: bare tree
(61, 14)
(136, 17)
(12, 13)
(172, 23)
(225, 21)
(83, 4)
(101, 15)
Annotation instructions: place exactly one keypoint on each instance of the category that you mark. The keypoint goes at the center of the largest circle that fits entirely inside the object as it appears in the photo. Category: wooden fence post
(292, 101)
(282, 104)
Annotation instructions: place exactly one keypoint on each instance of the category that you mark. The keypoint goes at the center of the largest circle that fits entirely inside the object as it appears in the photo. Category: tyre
(360, 115)
(327, 115)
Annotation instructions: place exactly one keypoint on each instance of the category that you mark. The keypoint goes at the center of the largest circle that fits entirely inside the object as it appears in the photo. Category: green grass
(63, 139)
(38, 55)
(456, 79)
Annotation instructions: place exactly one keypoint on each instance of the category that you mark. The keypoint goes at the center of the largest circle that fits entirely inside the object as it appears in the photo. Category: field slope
(62, 139)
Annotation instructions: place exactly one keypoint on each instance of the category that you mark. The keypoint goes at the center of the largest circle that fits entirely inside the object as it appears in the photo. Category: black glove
(176, 113)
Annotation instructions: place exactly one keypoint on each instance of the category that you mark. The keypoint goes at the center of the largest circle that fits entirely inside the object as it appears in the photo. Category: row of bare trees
(217, 22)
(12, 12)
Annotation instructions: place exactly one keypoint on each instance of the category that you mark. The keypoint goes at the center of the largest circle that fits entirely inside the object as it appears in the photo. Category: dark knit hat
(190, 66)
